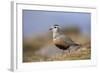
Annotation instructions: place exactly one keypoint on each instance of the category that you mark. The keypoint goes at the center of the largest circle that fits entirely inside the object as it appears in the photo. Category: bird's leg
(65, 52)
(69, 51)
(62, 52)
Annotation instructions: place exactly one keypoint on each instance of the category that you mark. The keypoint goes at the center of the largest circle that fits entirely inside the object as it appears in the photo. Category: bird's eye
(54, 27)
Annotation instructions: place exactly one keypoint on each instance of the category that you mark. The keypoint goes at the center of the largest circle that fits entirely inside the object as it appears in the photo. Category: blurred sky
(38, 22)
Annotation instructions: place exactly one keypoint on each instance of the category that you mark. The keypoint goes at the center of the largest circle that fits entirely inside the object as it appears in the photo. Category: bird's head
(55, 28)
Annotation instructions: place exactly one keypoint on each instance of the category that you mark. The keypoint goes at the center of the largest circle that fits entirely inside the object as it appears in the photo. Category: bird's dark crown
(56, 25)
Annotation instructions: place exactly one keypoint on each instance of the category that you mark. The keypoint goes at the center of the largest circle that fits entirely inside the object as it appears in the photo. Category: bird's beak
(50, 29)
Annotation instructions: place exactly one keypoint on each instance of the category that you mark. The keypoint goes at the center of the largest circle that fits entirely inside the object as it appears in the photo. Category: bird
(61, 41)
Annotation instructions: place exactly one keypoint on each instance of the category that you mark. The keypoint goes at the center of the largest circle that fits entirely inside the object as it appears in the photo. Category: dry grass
(81, 54)
(78, 55)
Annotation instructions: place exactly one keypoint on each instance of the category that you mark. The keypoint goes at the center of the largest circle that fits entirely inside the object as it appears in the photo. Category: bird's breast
(60, 42)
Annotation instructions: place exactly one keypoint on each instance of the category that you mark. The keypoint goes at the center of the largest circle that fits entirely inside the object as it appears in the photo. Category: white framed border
(16, 51)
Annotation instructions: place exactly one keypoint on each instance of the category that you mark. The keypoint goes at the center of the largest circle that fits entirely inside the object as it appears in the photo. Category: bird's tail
(78, 46)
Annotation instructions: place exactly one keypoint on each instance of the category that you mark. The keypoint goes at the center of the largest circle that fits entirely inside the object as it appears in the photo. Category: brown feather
(61, 44)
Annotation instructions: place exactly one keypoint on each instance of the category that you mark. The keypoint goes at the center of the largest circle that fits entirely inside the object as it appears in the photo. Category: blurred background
(37, 39)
